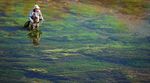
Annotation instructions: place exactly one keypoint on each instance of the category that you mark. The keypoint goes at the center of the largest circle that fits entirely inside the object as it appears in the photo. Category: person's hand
(31, 21)
(41, 21)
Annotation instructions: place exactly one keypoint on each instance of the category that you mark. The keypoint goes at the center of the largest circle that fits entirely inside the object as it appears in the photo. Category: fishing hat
(36, 6)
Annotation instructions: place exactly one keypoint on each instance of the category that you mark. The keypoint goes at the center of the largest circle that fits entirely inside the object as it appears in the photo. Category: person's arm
(41, 16)
(30, 15)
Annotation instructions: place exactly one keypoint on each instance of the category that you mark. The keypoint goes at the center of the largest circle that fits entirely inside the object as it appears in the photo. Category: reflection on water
(35, 36)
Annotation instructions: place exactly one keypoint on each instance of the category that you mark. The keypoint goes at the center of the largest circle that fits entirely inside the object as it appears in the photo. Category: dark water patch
(9, 29)
(15, 55)
(114, 38)
(53, 78)
(12, 41)
(5, 80)
(45, 29)
(9, 75)
(141, 40)
(145, 51)
(116, 75)
(77, 40)
(132, 62)
(9, 60)
(73, 13)
(2, 14)
(147, 18)
(74, 58)
(147, 39)
(120, 77)
(12, 66)
(60, 57)
(105, 76)
(106, 30)
(60, 39)
(46, 59)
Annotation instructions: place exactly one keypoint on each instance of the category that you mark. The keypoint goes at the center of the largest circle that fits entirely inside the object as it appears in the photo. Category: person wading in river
(36, 11)
(33, 13)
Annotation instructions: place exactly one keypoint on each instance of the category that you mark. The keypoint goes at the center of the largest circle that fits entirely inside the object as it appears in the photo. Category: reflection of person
(35, 36)
(36, 11)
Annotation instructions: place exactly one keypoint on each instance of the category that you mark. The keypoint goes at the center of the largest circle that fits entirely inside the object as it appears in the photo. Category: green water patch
(101, 76)
(78, 66)
(73, 28)
(13, 76)
(105, 23)
(67, 30)
(12, 21)
(83, 10)
(128, 56)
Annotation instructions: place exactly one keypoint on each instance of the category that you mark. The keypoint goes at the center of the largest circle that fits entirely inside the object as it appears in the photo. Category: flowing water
(78, 42)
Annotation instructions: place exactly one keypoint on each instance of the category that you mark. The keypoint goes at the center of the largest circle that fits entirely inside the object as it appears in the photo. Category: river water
(77, 44)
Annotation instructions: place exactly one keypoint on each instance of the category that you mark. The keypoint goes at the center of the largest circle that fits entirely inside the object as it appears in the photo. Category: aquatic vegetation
(84, 10)
(37, 70)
